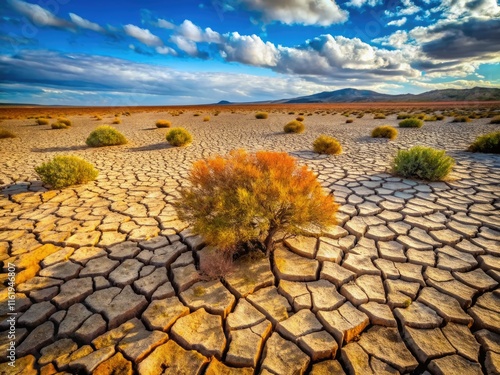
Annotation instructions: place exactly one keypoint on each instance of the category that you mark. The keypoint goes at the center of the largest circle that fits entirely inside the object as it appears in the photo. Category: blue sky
(153, 52)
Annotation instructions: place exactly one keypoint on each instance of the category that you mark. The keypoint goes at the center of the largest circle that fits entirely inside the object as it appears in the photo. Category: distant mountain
(222, 102)
(350, 95)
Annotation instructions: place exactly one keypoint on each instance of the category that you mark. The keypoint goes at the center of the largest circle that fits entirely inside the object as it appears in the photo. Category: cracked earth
(108, 281)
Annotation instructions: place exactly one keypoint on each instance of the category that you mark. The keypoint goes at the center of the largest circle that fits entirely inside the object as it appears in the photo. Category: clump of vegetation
(420, 116)
(163, 124)
(488, 143)
(261, 115)
(385, 131)
(66, 170)
(439, 117)
(105, 135)
(59, 125)
(206, 118)
(325, 144)
(179, 137)
(349, 121)
(42, 121)
(300, 118)
(379, 116)
(430, 118)
(495, 120)
(63, 120)
(411, 122)
(117, 120)
(461, 119)
(403, 115)
(4, 133)
(196, 115)
(294, 127)
(423, 162)
(245, 197)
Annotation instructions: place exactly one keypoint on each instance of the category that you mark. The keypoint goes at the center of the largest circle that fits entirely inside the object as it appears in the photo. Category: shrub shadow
(154, 147)
(22, 187)
(60, 149)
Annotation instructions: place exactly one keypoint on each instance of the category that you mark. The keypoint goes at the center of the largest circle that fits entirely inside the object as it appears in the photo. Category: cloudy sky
(154, 52)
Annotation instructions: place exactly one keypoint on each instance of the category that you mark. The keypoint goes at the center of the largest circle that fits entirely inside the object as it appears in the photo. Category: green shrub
(59, 125)
(63, 120)
(42, 121)
(488, 143)
(495, 120)
(325, 144)
(379, 116)
(385, 131)
(63, 171)
(244, 198)
(179, 137)
(261, 115)
(403, 116)
(461, 119)
(411, 123)
(105, 135)
(423, 162)
(349, 121)
(294, 127)
(4, 133)
(163, 124)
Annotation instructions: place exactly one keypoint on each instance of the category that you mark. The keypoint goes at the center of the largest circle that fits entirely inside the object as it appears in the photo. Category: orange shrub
(246, 197)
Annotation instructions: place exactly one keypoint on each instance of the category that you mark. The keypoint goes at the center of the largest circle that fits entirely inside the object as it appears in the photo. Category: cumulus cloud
(143, 35)
(85, 24)
(398, 23)
(407, 9)
(192, 32)
(249, 49)
(361, 3)
(305, 12)
(165, 24)
(397, 39)
(38, 15)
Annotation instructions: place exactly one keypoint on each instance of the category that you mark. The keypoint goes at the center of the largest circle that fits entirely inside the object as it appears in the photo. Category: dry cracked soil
(108, 282)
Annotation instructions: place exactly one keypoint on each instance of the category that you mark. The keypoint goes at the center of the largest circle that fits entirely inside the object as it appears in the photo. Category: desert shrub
(430, 118)
(261, 115)
(488, 143)
(251, 197)
(117, 120)
(420, 116)
(325, 144)
(461, 119)
(163, 124)
(42, 121)
(300, 118)
(65, 121)
(294, 127)
(423, 162)
(439, 117)
(4, 133)
(411, 122)
(98, 118)
(379, 116)
(105, 135)
(59, 125)
(385, 131)
(291, 113)
(495, 120)
(179, 137)
(402, 116)
(349, 121)
(206, 118)
(360, 115)
(63, 171)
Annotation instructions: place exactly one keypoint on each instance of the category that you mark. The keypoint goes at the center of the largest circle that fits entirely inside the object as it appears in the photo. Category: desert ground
(107, 277)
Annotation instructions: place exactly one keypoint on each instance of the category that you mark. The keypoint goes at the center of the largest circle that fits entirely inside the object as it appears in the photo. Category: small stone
(200, 331)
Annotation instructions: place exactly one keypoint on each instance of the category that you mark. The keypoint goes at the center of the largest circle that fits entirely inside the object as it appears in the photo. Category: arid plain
(108, 278)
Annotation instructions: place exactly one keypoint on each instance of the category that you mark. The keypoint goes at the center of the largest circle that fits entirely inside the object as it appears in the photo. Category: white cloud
(185, 45)
(305, 12)
(166, 51)
(361, 3)
(408, 8)
(85, 24)
(192, 32)
(249, 49)
(397, 39)
(38, 15)
(165, 24)
(398, 23)
(457, 84)
(143, 35)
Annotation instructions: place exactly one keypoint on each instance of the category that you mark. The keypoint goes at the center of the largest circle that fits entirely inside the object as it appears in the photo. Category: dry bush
(215, 264)
(385, 131)
(163, 124)
(179, 137)
(4, 133)
(105, 135)
(422, 162)
(411, 122)
(63, 171)
(487, 143)
(65, 121)
(294, 127)
(59, 125)
(246, 197)
(379, 116)
(42, 121)
(461, 119)
(325, 144)
(300, 118)
(117, 120)
(349, 121)
(261, 115)
(206, 118)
